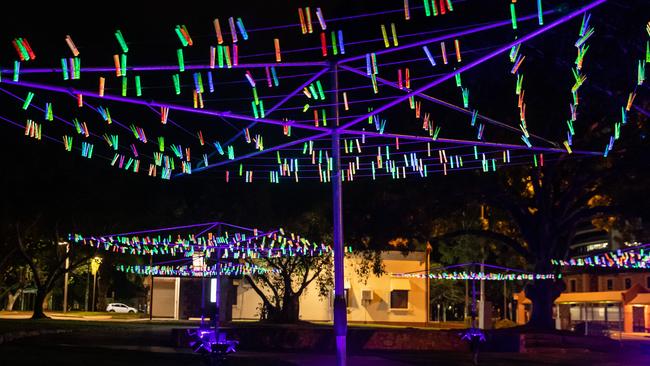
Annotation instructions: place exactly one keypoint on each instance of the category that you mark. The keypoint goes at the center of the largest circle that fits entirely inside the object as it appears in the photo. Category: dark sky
(42, 177)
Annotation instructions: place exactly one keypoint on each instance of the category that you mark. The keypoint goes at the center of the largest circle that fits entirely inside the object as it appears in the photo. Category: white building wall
(316, 308)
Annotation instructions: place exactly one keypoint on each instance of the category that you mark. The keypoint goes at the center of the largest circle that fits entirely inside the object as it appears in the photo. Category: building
(375, 299)
(620, 308)
(599, 298)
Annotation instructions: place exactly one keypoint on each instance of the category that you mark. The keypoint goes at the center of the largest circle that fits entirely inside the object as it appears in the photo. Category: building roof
(641, 299)
(598, 296)
(628, 296)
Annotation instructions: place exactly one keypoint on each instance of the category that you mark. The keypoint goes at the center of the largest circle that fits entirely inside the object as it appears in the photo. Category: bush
(504, 323)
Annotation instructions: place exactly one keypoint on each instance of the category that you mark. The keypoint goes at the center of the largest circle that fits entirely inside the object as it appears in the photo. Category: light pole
(87, 287)
(94, 266)
(65, 276)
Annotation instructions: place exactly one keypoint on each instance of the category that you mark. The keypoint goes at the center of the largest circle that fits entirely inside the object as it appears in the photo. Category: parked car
(117, 307)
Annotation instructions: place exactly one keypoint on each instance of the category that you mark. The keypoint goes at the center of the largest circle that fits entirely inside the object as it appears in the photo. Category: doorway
(638, 319)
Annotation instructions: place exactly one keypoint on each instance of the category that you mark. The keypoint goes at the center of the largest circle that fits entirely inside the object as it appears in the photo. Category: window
(573, 285)
(610, 284)
(647, 282)
(399, 299)
(628, 283)
(347, 297)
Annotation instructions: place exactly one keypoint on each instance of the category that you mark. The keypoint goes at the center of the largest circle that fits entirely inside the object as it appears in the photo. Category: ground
(134, 341)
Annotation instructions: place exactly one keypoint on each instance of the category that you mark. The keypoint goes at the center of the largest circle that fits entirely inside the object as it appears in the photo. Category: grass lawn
(13, 325)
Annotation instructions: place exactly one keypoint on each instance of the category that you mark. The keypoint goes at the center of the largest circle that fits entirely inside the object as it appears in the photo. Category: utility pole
(151, 288)
(505, 300)
(94, 266)
(87, 286)
(481, 318)
(427, 299)
(94, 286)
(65, 276)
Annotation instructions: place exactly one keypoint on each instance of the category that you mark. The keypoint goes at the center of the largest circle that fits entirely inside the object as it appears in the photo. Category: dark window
(628, 283)
(399, 299)
(610, 284)
(647, 282)
(573, 285)
(233, 294)
(347, 297)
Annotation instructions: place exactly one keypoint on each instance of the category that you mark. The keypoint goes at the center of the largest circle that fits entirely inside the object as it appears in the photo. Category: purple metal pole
(425, 42)
(340, 305)
(59, 119)
(43, 110)
(171, 67)
(467, 142)
(281, 103)
(163, 229)
(253, 154)
(477, 62)
(176, 107)
(217, 305)
(275, 107)
(447, 104)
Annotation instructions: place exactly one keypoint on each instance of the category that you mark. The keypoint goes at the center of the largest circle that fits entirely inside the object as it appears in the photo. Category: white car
(117, 307)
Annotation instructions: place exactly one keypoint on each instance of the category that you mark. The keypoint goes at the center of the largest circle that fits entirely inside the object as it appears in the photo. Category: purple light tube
(425, 42)
(161, 229)
(98, 239)
(477, 62)
(339, 19)
(171, 67)
(176, 107)
(253, 154)
(206, 229)
(275, 107)
(22, 127)
(40, 109)
(59, 118)
(472, 264)
(170, 121)
(282, 102)
(501, 268)
(467, 142)
(97, 111)
(642, 111)
(447, 104)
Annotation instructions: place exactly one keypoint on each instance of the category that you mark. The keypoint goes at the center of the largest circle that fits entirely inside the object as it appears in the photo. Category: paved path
(151, 345)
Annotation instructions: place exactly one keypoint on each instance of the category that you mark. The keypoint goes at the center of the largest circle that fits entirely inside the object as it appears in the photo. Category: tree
(46, 259)
(446, 293)
(546, 205)
(280, 288)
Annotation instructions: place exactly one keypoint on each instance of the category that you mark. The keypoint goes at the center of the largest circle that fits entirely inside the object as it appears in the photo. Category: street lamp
(94, 267)
(65, 278)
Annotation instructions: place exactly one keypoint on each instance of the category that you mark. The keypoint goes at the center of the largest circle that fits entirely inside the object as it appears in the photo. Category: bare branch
(512, 243)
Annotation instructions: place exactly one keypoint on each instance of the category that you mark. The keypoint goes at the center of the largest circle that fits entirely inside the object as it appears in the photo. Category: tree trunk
(41, 294)
(291, 309)
(288, 313)
(11, 299)
(542, 294)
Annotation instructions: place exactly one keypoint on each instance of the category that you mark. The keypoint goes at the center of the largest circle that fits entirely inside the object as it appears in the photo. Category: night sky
(91, 196)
